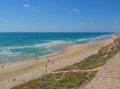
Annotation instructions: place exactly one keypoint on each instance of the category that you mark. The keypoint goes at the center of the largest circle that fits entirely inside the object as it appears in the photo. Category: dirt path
(94, 69)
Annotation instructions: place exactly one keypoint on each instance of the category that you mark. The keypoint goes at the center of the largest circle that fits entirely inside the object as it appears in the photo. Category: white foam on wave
(81, 40)
(2, 52)
(54, 44)
(103, 37)
(51, 47)
(8, 52)
(90, 40)
(39, 45)
(17, 47)
(51, 54)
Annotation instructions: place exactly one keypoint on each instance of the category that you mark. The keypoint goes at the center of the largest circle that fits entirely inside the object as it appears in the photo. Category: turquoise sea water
(25, 46)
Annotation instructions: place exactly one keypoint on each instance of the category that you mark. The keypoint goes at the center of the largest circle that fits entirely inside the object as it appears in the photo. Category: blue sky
(59, 15)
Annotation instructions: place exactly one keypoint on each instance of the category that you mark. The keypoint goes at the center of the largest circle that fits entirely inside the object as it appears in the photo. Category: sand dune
(108, 77)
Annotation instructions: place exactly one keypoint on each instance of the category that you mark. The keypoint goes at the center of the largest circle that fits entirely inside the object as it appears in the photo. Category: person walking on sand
(48, 59)
(37, 60)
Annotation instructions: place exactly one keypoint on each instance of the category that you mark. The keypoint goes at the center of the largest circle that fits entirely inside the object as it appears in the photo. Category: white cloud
(27, 5)
(75, 10)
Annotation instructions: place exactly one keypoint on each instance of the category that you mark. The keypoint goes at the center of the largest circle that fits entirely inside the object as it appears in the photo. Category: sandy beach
(16, 73)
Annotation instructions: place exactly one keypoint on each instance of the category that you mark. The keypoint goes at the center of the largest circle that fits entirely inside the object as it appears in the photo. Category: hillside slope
(108, 77)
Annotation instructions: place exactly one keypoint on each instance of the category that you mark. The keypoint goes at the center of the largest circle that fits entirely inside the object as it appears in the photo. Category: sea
(26, 46)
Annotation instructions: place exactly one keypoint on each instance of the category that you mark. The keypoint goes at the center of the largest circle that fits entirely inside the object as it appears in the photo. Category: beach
(16, 73)
(59, 44)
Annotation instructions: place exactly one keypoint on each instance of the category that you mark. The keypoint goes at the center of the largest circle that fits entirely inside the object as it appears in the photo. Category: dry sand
(108, 77)
(13, 74)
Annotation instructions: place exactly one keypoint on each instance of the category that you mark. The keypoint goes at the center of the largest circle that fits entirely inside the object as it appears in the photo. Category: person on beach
(48, 59)
(2, 66)
(37, 60)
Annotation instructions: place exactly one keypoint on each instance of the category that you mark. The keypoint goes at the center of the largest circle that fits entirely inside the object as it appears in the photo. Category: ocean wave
(37, 45)
(50, 46)
(99, 38)
(80, 40)
(16, 47)
(54, 44)
(103, 37)
(36, 48)
(8, 52)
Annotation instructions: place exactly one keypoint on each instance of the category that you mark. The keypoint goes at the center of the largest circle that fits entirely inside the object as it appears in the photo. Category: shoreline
(70, 55)
(60, 52)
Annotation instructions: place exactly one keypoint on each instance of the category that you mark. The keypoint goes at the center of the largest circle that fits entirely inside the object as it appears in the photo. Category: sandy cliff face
(109, 76)
(114, 45)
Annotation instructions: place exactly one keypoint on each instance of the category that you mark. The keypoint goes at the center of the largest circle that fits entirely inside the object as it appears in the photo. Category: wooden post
(46, 68)
(42, 72)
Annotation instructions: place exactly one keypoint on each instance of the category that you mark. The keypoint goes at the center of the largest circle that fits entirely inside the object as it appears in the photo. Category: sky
(59, 15)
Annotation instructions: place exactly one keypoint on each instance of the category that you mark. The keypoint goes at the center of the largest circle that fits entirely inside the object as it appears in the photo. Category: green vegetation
(29, 85)
(67, 80)
(98, 59)
(73, 80)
